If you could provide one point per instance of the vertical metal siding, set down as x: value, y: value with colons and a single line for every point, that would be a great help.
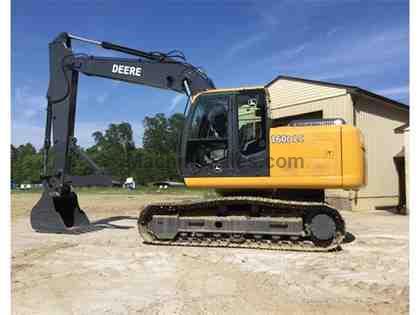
x: 289, y: 98
x: 407, y: 168
x: 374, y: 117
x: 377, y: 120
x: 333, y: 107
x: 285, y: 92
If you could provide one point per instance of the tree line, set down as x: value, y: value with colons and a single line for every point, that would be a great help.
x: 115, y: 151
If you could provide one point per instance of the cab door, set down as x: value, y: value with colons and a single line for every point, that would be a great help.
x: 207, y: 144
x: 250, y: 134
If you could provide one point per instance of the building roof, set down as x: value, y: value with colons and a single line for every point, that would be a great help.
x: 402, y: 128
x: 355, y: 90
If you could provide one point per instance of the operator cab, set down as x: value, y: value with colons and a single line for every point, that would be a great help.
x: 226, y: 135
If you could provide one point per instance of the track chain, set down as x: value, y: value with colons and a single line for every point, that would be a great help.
x: 300, y: 208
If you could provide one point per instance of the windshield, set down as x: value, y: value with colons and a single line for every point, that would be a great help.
x: 210, y: 117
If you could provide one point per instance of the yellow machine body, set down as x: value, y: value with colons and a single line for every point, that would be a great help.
x: 228, y: 142
x: 309, y: 157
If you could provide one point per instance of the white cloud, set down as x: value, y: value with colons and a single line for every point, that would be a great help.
x: 28, y: 112
x: 293, y: 51
x: 102, y: 98
x: 28, y: 103
x: 369, y: 47
x: 288, y: 53
x: 344, y: 72
x: 357, y: 54
x: 266, y: 19
x: 23, y: 133
x: 246, y: 43
x: 269, y: 19
x: 331, y: 32
x: 270, y: 14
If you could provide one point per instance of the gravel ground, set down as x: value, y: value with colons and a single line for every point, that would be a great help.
x: 110, y: 271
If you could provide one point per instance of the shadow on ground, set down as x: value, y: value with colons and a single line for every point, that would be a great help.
x: 94, y: 226
x: 349, y: 238
x: 393, y: 209
x: 105, y: 223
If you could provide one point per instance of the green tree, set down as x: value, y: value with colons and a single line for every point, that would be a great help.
x: 79, y: 166
x: 114, y: 150
x: 175, y: 129
x: 13, y: 160
x: 26, y: 164
x: 156, y: 131
x: 160, y: 144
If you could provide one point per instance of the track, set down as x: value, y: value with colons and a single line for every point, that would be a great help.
x: 243, y: 209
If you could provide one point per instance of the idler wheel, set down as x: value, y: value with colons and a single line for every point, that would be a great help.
x: 323, y: 229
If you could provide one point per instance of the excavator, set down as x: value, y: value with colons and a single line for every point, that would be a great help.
x: 230, y: 142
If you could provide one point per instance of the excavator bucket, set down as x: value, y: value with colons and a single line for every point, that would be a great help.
x: 58, y: 214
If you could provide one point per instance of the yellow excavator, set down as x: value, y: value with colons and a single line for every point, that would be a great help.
x: 271, y: 179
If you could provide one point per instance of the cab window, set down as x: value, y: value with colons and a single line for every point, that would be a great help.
x: 250, y: 123
x: 210, y: 118
x: 208, y: 133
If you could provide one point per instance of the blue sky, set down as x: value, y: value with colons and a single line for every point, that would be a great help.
x: 363, y: 43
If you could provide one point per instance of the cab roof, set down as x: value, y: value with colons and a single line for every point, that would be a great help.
x: 243, y: 88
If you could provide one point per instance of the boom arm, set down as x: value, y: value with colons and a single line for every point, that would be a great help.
x: 154, y: 69
x: 159, y: 70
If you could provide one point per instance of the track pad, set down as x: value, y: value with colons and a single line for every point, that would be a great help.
x: 58, y: 214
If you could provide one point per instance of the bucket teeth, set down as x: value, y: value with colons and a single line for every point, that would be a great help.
x: 58, y: 214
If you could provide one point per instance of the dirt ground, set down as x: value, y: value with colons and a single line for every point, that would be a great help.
x: 110, y: 271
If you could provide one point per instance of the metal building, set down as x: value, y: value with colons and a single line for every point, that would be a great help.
x: 404, y: 162
x: 377, y: 116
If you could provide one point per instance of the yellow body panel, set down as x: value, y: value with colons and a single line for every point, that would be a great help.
x: 304, y: 157
x: 311, y: 155
x: 353, y: 157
